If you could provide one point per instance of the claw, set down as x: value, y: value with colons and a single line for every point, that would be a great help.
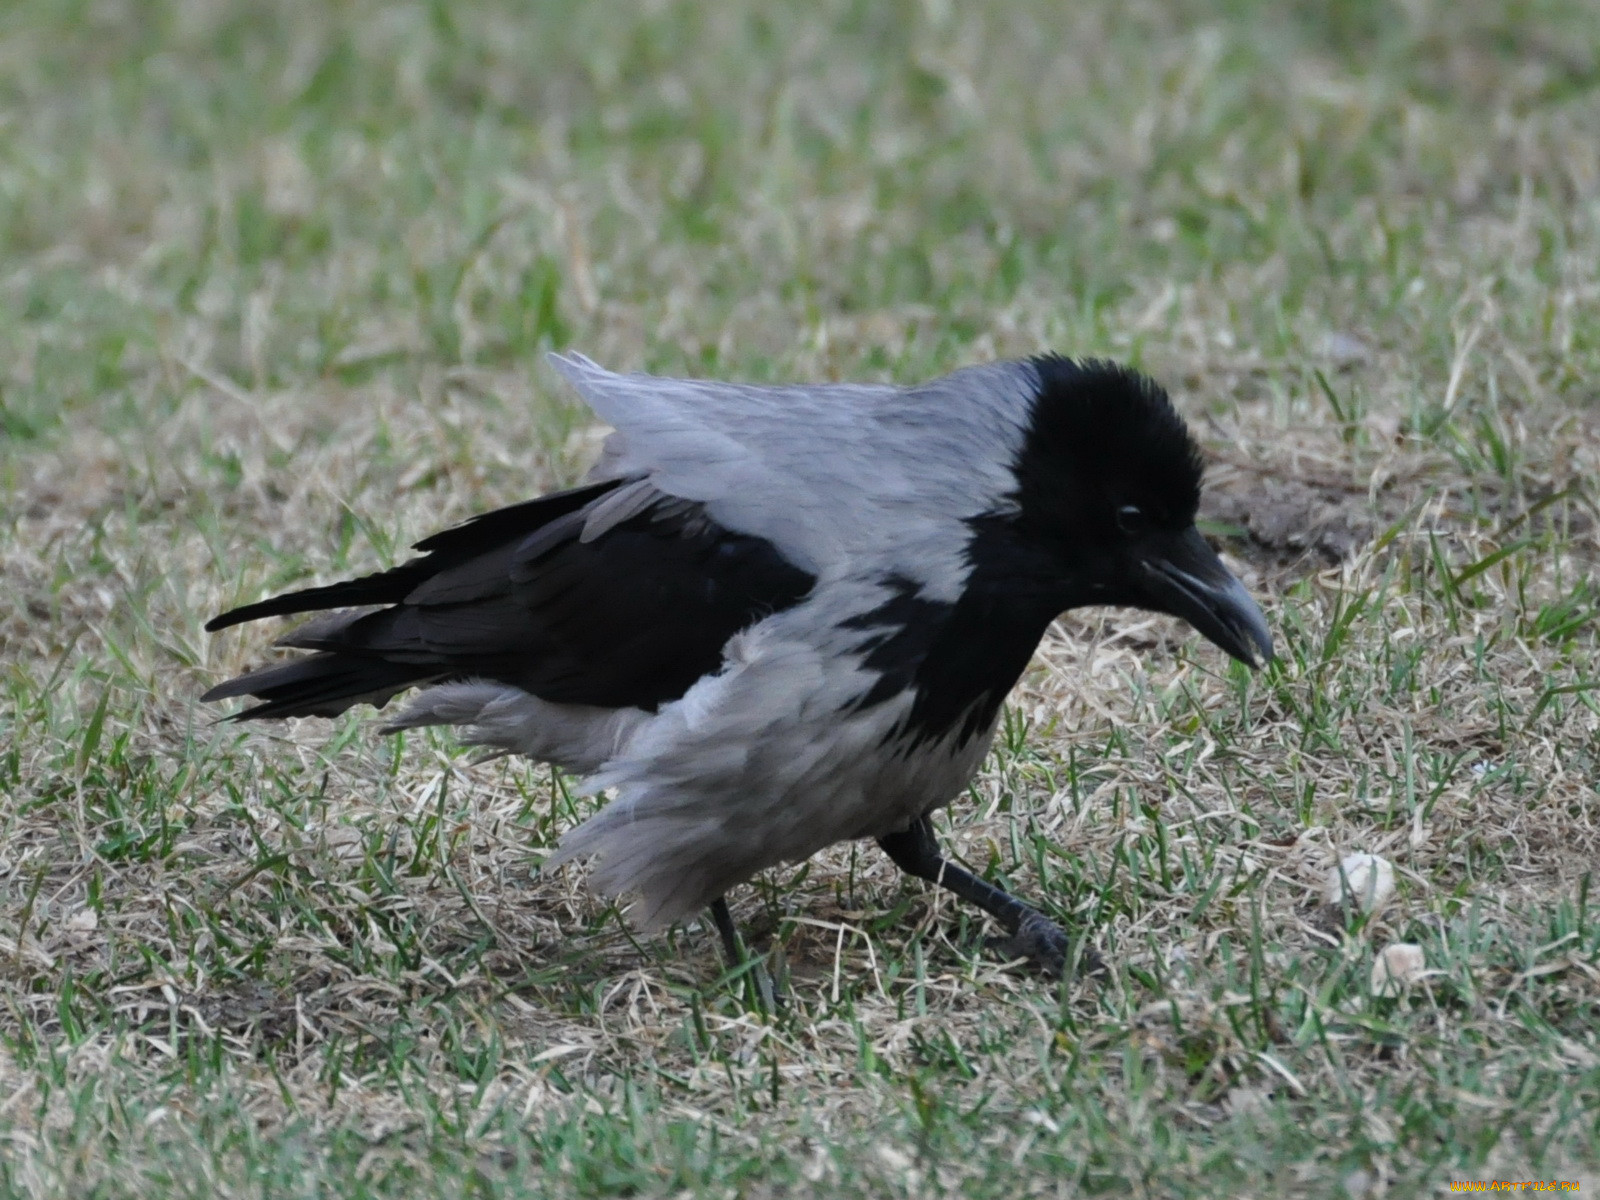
x: 1046, y: 945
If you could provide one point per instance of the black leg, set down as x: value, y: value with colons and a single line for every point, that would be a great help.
x: 1034, y: 936
x: 731, y: 946
x: 766, y: 995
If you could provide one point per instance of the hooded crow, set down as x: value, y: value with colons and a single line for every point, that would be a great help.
x: 777, y: 618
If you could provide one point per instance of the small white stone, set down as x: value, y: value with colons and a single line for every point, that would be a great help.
x: 1396, y: 968
x: 1358, y: 1184
x: 1363, y: 879
x: 83, y: 920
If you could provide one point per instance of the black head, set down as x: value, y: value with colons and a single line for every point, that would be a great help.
x: 1106, y: 454
x: 1108, y: 483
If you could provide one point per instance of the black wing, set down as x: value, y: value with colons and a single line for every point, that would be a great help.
x: 630, y: 619
x: 482, y: 534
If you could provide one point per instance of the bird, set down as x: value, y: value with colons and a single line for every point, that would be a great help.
x: 774, y: 618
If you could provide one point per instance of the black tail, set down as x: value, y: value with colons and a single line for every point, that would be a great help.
x: 629, y: 618
x: 326, y: 683
x: 322, y: 685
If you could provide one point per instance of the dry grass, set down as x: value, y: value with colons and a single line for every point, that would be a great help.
x: 274, y: 282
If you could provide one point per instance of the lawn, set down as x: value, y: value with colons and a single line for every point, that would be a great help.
x: 275, y: 283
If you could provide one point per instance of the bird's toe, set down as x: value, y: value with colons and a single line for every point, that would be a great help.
x: 1046, y: 946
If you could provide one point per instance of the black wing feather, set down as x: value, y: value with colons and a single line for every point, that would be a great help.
x: 630, y: 619
x: 446, y: 549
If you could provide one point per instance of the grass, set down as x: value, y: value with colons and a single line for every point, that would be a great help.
x: 274, y: 282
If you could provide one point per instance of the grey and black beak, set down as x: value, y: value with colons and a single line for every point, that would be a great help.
x: 1184, y: 577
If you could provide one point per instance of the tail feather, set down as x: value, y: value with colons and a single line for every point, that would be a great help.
x: 385, y: 587
x: 321, y: 685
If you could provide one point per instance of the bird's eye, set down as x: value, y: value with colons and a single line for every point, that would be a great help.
x: 1131, y: 520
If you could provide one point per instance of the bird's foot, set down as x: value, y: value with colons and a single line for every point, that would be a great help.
x: 1046, y: 946
x: 764, y: 994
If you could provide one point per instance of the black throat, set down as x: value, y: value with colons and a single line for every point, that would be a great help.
x: 961, y: 659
